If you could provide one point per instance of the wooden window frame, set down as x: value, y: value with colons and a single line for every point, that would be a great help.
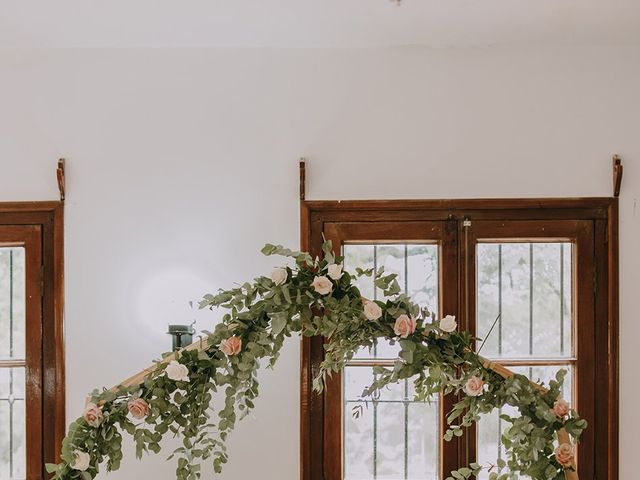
x: 603, y: 212
x: 48, y: 219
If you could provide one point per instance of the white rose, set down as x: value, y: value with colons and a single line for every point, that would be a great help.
x: 448, y: 324
x: 177, y: 372
x: 279, y: 275
x: 335, y: 271
x: 474, y: 387
x: 81, y: 460
x: 322, y: 285
x: 372, y: 310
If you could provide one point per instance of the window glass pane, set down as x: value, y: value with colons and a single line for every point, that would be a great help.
x: 12, y: 382
x: 529, y: 286
x: 423, y: 276
x: 490, y: 426
x: 358, y: 425
x: 393, y: 259
x: 417, y: 270
x: 5, y: 436
x: 12, y: 302
x: 12, y: 423
x: 361, y: 256
x: 393, y: 436
x: 424, y: 440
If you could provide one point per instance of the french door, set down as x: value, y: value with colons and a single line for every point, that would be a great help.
x: 537, y: 279
x: 32, y: 420
x: 393, y: 436
x: 526, y: 287
x: 20, y: 352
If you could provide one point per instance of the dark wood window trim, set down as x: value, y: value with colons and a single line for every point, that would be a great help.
x: 47, y: 218
x: 602, y: 213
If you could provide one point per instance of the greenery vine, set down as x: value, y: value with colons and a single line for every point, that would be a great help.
x: 315, y: 297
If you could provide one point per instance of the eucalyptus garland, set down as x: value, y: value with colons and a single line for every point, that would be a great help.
x: 316, y: 297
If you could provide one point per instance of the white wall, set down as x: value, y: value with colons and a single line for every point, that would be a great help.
x: 182, y: 163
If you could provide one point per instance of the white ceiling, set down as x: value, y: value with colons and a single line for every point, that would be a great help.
x: 315, y: 23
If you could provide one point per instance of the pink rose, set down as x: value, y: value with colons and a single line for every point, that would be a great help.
x: 561, y: 408
x: 231, y: 346
x: 564, y: 455
x: 404, y: 326
x: 474, y: 386
x: 322, y: 285
x: 93, y: 415
x: 138, y: 408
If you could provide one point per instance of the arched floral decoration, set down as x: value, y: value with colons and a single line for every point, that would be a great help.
x: 316, y: 297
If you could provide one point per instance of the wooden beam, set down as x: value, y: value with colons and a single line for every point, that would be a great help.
x: 203, y: 344
x: 138, y: 378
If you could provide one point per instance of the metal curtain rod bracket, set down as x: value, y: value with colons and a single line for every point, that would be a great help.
x: 61, y: 179
x: 617, y: 175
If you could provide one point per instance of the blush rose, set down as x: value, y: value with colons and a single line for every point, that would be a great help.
x: 564, y: 455
x: 474, y: 386
x: 231, y: 346
x: 404, y: 326
x: 138, y: 408
x: 93, y: 415
x: 561, y: 408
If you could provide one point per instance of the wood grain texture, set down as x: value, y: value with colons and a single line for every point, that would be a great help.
x: 611, y: 300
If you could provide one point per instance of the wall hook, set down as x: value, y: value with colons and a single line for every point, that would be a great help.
x: 617, y: 175
x: 61, y: 179
x: 303, y: 177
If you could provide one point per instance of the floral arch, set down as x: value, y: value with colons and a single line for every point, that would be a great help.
x: 316, y: 297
